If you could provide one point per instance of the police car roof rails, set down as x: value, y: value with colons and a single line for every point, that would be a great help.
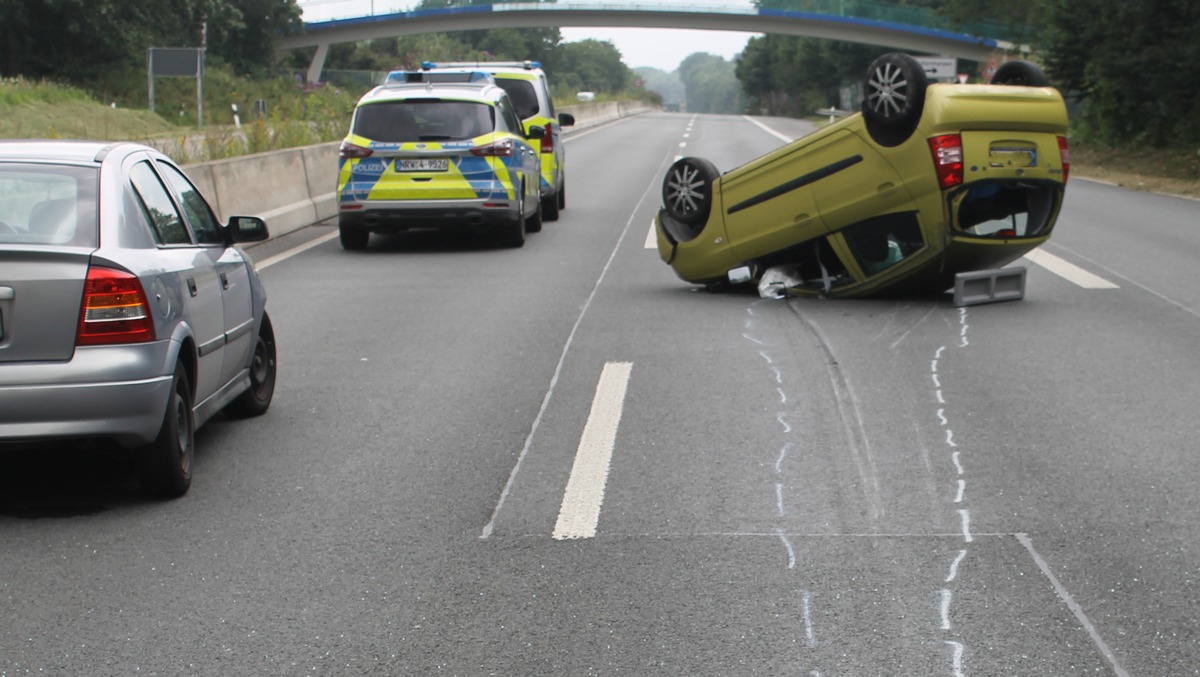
x: 527, y: 65
x: 415, y: 77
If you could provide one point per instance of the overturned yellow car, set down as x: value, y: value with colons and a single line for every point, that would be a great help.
x: 929, y: 180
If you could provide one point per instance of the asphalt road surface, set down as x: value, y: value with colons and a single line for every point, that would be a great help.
x: 562, y: 460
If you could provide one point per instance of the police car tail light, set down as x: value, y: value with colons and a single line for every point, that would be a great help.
x: 947, y: 159
x: 1065, y: 151
x: 349, y: 151
x: 115, y: 310
x: 501, y: 148
x: 548, y: 139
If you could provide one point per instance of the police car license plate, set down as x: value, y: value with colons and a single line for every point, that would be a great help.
x: 423, y: 164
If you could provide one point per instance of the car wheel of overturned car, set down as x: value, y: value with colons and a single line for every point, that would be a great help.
x: 562, y: 195
x: 1020, y: 73
x: 894, y: 98
x: 257, y: 399
x: 167, y: 461
x: 687, y: 190
x: 353, y: 237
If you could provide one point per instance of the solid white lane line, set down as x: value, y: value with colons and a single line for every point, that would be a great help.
x: 267, y: 263
x: 580, y: 512
x: 782, y: 137
x: 1069, y: 271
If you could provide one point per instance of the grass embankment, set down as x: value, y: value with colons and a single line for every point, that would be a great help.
x: 43, y: 110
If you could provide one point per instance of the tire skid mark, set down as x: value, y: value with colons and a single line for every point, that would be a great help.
x: 782, y: 416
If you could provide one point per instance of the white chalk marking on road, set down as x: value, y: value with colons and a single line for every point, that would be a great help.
x: 809, y: 633
x: 957, y: 464
x: 787, y: 544
x: 956, y: 661
x: 782, y: 396
x: 580, y: 511
x: 941, y: 414
x: 782, y: 455
x: 1068, y: 271
x: 947, y: 596
x: 786, y: 427
x: 966, y: 525
x: 954, y: 566
x: 268, y: 262
x: 779, y: 499
x: 962, y: 487
x: 1075, y: 608
x: 950, y: 438
x: 652, y: 236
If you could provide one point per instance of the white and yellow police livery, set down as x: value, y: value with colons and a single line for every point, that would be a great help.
x: 445, y: 155
x: 529, y: 90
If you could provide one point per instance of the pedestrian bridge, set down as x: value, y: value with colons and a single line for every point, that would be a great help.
x: 877, y: 23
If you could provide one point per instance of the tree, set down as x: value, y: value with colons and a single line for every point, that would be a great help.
x: 1134, y: 65
x: 710, y: 84
x: 81, y: 41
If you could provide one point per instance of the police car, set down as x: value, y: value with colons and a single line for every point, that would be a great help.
x: 443, y: 155
x: 529, y: 90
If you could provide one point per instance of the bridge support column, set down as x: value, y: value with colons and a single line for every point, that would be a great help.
x: 318, y: 63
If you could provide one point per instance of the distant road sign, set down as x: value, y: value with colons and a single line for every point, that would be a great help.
x: 941, y: 69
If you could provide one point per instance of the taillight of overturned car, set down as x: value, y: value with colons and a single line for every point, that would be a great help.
x: 947, y: 159
x: 1065, y: 151
x: 115, y: 309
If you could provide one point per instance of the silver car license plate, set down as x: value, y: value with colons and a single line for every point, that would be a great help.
x: 422, y: 164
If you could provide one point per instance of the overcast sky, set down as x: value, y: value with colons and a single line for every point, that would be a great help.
x: 656, y: 47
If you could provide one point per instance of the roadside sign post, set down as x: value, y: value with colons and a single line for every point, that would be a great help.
x: 178, y: 62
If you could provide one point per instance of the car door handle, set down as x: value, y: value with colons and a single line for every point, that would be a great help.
x: 224, y: 281
x: 192, y: 289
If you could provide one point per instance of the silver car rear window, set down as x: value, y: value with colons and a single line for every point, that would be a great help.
x: 48, y: 204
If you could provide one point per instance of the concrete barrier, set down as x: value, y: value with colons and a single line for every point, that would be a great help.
x: 297, y: 187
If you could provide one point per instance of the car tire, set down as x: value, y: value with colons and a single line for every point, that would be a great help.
x: 1020, y: 73
x: 263, y: 368
x: 562, y: 195
x: 533, y: 224
x: 512, y: 234
x: 894, y: 96
x: 166, y: 464
x: 550, y: 208
x: 354, y: 238
x: 687, y: 190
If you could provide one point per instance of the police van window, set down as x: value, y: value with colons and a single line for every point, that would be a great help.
x: 523, y: 94
x: 507, y: 120
x: 165, y: 221
x: 204, y: 224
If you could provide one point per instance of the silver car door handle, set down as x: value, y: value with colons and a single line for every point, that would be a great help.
x: 224, y: 281
x: 191, y: 283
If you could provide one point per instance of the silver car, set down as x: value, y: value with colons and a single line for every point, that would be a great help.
x: 126, y: 311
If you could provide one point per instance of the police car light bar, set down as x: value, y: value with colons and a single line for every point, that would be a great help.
x: 527, y: 65
x: 465, y: 77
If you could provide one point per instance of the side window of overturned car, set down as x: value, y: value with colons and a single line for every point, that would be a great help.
x: 883, y: 241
